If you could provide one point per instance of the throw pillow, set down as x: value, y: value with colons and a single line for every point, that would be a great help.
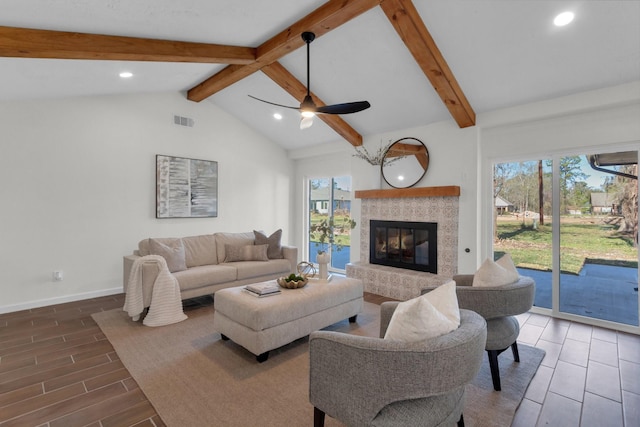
x: 507, y: 263
x: 492, y: 273
x: 235, y: 239
x: 245, y: 253
x: 172, y: 252
x: 274, y: 251
x: 428, y: 316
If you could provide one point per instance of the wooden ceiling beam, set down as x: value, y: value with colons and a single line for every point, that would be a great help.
x: 244, y: 61
x: 322, y: 20
x: 276, y: 72
x: 31, y: 43
x: 406, y: 20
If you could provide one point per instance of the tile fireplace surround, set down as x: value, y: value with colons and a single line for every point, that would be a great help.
x: 429, y: 204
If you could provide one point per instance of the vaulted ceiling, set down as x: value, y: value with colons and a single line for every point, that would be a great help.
x: 416, y: 62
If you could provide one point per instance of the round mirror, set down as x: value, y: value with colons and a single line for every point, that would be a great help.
x: 405, y: 163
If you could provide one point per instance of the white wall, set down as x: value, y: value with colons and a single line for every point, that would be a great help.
x: 78, y: 187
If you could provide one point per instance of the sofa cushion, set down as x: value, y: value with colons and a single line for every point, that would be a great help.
x: 204, y: 275
x: 274, y: 250
x: 200, y: 250
x: 428, y: 316
x: 245, y: 253
x: 237, y: 239
x: 250, y: 269
x: 172, y: 251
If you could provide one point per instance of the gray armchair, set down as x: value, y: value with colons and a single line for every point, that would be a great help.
x: 364, y: 381
x: 498, y: 305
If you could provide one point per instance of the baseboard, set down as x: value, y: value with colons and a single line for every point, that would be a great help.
x: 59, y: 300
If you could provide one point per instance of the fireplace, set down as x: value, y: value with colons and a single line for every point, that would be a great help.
x: 404, y: 244
x: 438, y: 205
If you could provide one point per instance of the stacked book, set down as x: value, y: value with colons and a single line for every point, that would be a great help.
x: 263, y: 289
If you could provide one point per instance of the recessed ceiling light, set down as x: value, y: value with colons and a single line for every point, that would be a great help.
x: 126, y: 74
x: 563, y: 19
x: 277, y: 116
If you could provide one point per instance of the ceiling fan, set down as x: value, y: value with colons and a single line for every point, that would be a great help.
x: 308, y: 108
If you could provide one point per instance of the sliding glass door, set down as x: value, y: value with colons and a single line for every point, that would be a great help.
x: 598, y: 238
x: 329, y: 220
x: 523, y: 221
x: 570, y: 222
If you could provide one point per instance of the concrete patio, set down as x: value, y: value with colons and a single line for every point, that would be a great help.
x: 599, y: 291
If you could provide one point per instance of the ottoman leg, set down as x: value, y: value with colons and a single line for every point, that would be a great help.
x: 262, y: 357
x: 352, y: 319
x: 318, y: 417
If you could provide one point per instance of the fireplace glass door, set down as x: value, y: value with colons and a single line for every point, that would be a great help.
x: 410, y: 245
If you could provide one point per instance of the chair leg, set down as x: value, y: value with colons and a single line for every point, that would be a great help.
x: 514, y: 350
x: 495, y: 372
x: 318, y: 417
x: 461, y: 421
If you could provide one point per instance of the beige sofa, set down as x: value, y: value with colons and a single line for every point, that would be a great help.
x: 213, y: 261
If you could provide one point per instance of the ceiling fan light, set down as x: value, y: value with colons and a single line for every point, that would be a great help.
x: 563, y: 19
x: 307, y: 114
x: 306, y: 122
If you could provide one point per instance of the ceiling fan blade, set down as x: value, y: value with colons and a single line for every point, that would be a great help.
x: 346, y: 108
x: 273, y: 103
x: 306, y: 122
x: 307, y: 106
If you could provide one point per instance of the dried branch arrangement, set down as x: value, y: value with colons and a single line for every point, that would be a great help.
x: 373, y: 159
x: 377, y: 158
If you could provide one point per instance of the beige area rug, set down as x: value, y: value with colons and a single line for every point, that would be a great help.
x: 193, y: 378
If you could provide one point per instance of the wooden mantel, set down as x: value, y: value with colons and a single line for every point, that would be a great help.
x: 449, y: 190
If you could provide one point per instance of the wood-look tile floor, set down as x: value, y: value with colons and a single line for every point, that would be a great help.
x: 590, y: 376
x: 58, y: 369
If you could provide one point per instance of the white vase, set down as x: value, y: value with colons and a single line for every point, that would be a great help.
x: 323, y: 261
x: 366, y: 176
x: 375, y: 178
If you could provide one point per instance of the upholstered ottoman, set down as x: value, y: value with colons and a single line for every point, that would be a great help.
x: 263, y: 324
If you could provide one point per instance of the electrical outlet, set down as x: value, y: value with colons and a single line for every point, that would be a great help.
x: 57, y: 276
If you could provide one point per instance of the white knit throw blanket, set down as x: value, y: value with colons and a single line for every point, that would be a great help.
x: 165, y: 307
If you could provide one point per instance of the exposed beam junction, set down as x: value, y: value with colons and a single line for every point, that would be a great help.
x: 322, y: 20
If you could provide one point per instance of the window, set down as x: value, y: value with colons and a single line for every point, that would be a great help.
x: 329, y: 220
x: 570, y: 222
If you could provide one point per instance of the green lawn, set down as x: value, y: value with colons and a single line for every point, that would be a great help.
x: 581, y: 239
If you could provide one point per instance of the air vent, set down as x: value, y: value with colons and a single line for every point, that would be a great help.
x: 183, y: 121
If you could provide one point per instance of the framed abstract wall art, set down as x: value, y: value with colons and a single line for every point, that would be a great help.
x: 186, y: 188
